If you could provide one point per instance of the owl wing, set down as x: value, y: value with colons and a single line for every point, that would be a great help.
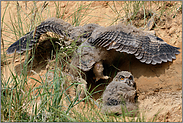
x: 55, y: 25
x: 146, y: 47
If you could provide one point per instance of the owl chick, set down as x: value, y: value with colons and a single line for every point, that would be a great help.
x: 120, y: 95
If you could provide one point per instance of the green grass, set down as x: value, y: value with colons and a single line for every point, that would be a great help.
x: 18, y: 99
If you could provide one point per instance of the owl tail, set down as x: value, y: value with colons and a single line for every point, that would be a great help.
x: 27, y: 42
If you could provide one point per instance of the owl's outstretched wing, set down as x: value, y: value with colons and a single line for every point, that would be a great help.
x: 55, y: 25
x: 145, y: 46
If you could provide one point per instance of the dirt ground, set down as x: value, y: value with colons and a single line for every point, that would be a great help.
x: 159, y: 87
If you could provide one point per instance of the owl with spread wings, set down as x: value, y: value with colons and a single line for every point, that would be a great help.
x: 99, y: 44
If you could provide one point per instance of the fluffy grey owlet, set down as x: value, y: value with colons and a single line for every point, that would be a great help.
x: 120, y: 95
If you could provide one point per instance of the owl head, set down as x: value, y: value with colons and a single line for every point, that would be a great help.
x: 125, y: 77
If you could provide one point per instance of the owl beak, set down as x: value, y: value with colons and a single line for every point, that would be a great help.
x: 129, y: 82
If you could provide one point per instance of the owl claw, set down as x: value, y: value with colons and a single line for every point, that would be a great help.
x: 105, y: 77
x: 98, y: 78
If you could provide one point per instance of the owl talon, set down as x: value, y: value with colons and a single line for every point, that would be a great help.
x: 98, y: 78
x: 105, y: 77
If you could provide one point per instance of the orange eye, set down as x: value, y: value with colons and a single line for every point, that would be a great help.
x: 121, y: 77
x: 131, y: 78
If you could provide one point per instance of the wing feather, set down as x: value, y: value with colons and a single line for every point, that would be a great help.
x: 118, y: 40
x: 149, y: 59
x: 105, y: 42
x: 156, y: 59
x: 139, y: 50
x: 132, y: 50
x: 102, y: 40
x: 169, y: 57
x: 120, y: 48
x: 26, y: 42
x: 147, y: 48
x: 113, y: 38
x: 125, y: 49
x: 140, y: 56
x: 153, y: 62
x: 144, y: 58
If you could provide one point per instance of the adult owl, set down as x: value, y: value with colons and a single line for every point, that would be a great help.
x: 99, y: 44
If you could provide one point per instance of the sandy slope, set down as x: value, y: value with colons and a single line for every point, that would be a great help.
x: 159, y: 87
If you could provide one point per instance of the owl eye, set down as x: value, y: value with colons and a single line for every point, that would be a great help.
x: 121, y: 77
x: 131, y: 77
